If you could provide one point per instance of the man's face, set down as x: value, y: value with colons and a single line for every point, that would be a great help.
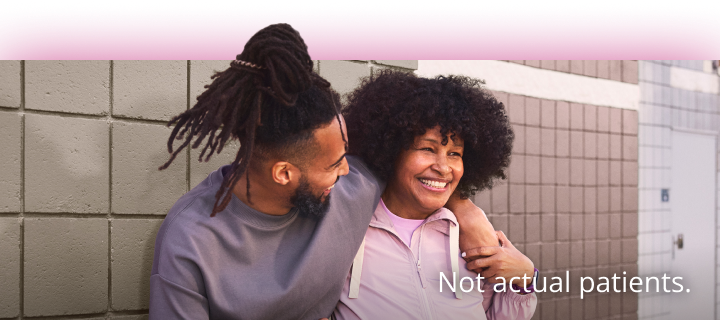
x: 312, y: 195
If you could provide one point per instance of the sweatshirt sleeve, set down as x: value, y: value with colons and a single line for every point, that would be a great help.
x: 172, y: 301
x: 507, y: 305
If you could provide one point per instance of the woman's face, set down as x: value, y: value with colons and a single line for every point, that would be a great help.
x: 426, y: 174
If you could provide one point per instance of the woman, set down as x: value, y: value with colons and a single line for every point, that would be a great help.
x: 430, y: 139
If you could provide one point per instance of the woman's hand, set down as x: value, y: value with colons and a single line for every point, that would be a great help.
x: 503, y: 262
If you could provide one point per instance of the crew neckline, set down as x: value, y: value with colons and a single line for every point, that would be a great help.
x: 256, y: 218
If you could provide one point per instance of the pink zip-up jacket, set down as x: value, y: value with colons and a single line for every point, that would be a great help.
x: 388, y: 280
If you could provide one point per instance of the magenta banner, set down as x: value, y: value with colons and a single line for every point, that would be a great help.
x: 364, y: 33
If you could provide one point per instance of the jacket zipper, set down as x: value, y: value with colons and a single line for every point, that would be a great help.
x: 425, y: 301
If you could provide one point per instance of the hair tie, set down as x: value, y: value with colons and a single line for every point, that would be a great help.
x: 249, y: 64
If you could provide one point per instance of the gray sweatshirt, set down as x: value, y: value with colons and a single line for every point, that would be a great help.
x: 243, y: 264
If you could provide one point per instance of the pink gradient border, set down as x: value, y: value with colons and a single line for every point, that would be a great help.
x: 360, y: 31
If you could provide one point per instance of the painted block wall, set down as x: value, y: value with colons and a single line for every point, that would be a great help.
x: 81, y: 198
x: 681, y: 94
x: 570, y: 200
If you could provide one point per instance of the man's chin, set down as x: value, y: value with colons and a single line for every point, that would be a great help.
x: 308, y: 204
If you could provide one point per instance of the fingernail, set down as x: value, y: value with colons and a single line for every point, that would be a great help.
x: 463, y: 255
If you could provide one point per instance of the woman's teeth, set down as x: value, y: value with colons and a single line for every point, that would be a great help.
x: 434, y: 184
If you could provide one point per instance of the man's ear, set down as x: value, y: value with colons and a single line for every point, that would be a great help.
x: 284, y: 172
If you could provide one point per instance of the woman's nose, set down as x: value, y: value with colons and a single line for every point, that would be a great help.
x: 441, y: 166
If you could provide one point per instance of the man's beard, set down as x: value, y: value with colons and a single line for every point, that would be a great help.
x: 309, y: 204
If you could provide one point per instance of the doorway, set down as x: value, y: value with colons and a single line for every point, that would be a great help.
x: 693, y: 224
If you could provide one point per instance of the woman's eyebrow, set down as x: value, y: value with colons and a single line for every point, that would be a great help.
x: 438, y: 142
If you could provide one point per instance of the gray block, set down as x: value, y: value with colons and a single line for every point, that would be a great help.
x: 131, y: 317
x: 68, y: 86
x: 344, y: 76
x: 646, y: 70
x: 133, y: 242
x: 10, y: 266
x: 66, y: 266
x: 657, y: 73
x: 137, y: 185
x: 66, y: 164
x: 10, y: 158
x: 675, y: 98
x: 200, y: 170
x: 10, y: 84
x: 656, y: 94
x: 200, y: 73
x: 149, y: 89
x: 407, y: 64
x: 666, y: 96
x: 665, y: 75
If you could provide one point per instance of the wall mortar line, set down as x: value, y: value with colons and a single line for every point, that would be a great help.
x: 21, y: 306
x: 110, y: 180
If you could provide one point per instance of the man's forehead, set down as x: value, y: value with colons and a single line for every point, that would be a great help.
x: 331, y: 146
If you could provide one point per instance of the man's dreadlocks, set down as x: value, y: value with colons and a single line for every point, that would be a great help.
x: 269, y: 99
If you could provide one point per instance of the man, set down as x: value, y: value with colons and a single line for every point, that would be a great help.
x: 273, y: 235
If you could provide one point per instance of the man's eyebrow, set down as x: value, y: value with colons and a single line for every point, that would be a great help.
x: 336, y: 162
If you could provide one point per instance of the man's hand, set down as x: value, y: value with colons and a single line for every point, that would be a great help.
x: 475, y: 228
x: 504, y: 262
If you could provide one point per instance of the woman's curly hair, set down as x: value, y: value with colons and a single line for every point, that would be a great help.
x: 387, y: 111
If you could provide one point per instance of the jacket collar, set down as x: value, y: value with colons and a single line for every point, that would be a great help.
x: 380, y: 219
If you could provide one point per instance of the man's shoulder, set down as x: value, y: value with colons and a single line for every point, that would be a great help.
x: 184, y: 221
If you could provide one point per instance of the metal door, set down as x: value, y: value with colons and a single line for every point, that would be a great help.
x: 693, y: 226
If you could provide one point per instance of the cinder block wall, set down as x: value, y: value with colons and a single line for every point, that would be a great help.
x: 81, y: 198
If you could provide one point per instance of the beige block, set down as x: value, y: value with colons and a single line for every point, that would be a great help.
x: 137, y: 185
x: 66, y: 164
x: 10, y: 266
x: 10, y: 159
x: 66, y: 266
x: 407, y: 64
x: 200, y: 170
x: 149, y: 89
x: 10, y: 84
x: 68, y: 86
x: 200, y: 73
x: 133, y: 242
x: 344, y: 76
